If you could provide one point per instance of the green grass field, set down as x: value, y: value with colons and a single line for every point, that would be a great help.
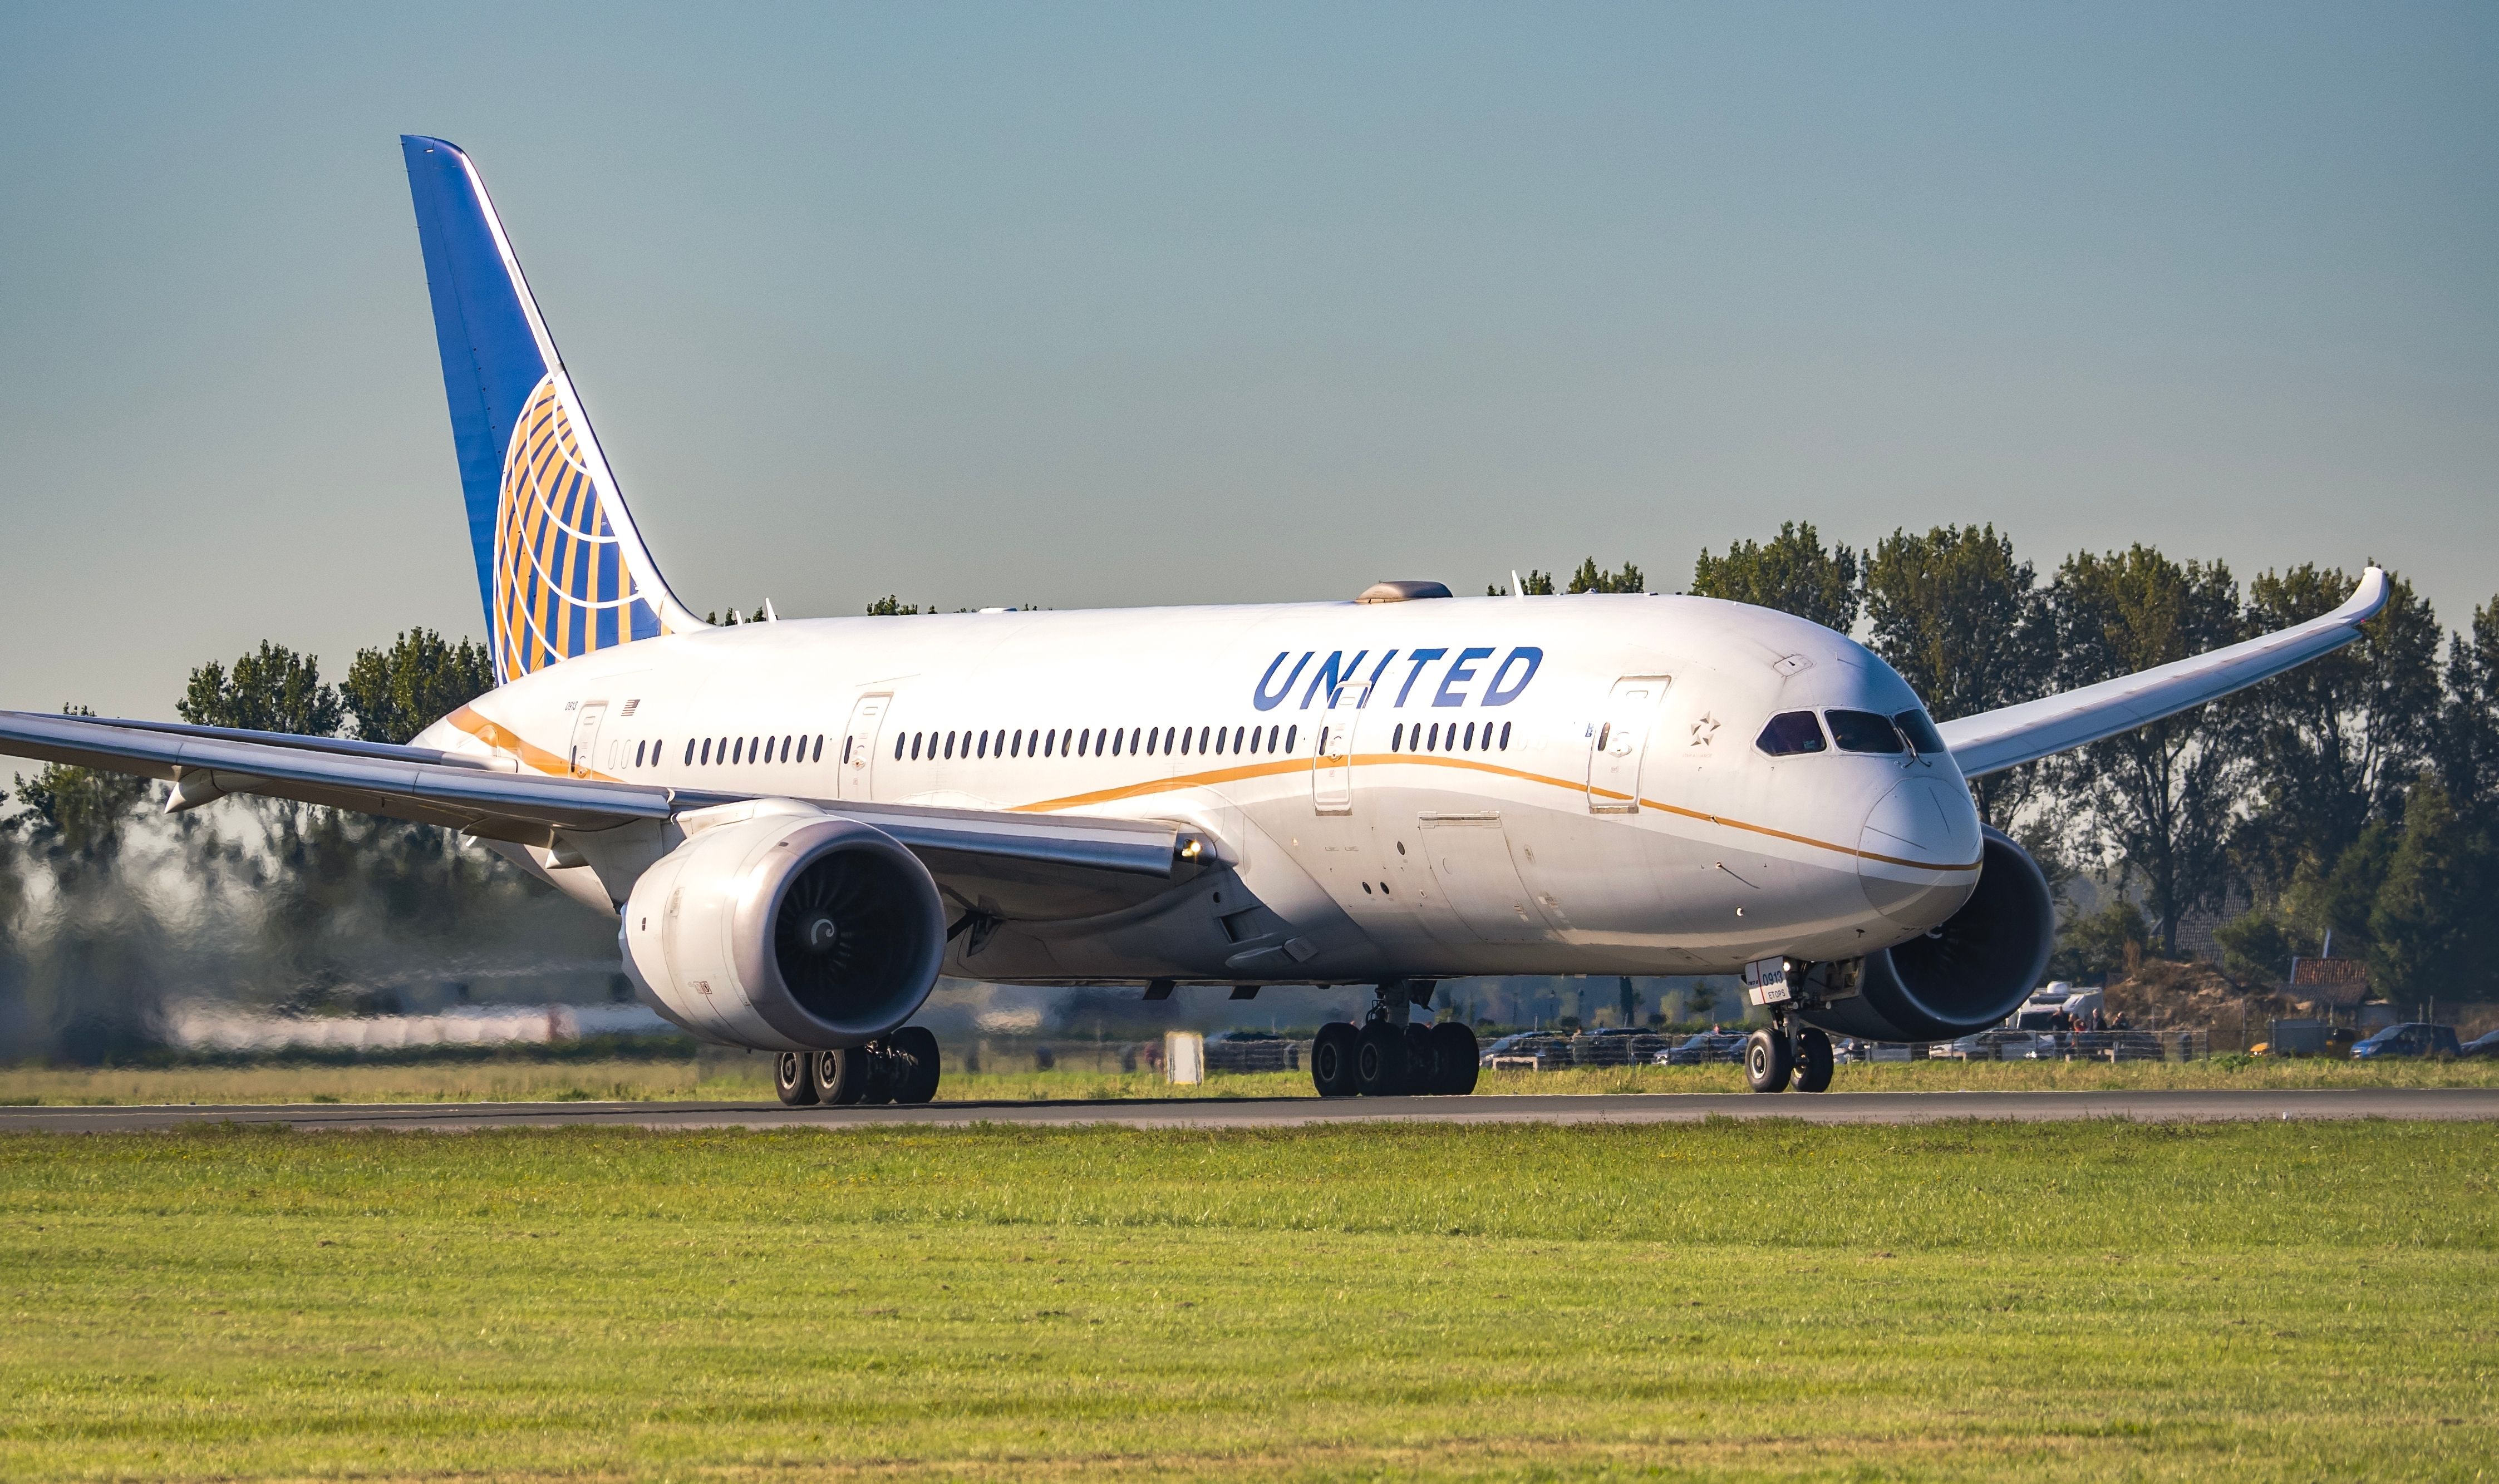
x: 735, y: 1078
x: 1757, y: 1300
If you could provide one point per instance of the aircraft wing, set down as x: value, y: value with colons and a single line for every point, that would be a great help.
x: 1028, y: 865
x: 1995, y: 740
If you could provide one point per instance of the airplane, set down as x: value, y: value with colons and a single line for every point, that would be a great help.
x: 797, y: 826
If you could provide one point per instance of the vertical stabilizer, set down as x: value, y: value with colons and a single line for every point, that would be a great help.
x: 561, y: 567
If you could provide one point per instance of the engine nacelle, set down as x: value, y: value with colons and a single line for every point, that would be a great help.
x: 1965, y: 974
x: 789, y: 932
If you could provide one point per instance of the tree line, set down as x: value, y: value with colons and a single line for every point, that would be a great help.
x: 2356, y: 796
x: 110, y: 909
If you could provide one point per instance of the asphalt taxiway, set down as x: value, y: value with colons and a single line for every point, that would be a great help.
x: 2198, y: 1106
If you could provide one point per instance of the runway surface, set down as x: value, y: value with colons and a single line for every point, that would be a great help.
x: 2441, y: 1103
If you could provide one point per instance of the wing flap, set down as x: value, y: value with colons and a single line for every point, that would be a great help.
x: 1995, y: 740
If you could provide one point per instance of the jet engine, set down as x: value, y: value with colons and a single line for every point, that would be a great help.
x: 789, y: 932
x: 1965, y: 974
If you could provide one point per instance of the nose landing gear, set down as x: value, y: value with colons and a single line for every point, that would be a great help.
x: 1788, y: 1050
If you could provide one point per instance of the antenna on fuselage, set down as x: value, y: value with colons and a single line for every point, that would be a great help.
x: 1516, y: 588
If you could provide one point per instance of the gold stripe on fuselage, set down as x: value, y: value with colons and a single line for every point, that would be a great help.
x: 506, y: 741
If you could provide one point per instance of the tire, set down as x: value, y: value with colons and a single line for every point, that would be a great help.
x: 1422, y: 1075
x: 792, y: 1080
x: 917, y: 1045
x: 841, y: 1075
x: 1767, y: 1062
x: 885, y: 1072
x: 1381, y: 1067
x: 1332, y: 1059
x: 1456, y: 1063
x: 1812, y: 1060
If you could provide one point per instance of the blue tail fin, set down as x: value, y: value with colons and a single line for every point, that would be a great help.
x: 561, y: 567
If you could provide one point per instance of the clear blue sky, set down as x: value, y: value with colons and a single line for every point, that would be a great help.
x: 1091, y: 306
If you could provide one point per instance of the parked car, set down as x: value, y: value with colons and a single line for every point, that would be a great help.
x: 1998, y: 1044
x: 1539, y: 1049
x: 1703, y: 1049
x: 1848, y: 1050
x: 2484, y: 1044
x: 2413, y: 1038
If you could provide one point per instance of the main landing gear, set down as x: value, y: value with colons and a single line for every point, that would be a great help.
x: 902, y: 1067
x: 1789, y: 1048
x: 1389, y: 1054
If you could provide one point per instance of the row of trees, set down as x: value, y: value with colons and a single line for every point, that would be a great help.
x: 107, y: 905
x: 2357, y: 795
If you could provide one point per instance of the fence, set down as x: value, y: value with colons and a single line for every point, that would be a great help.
x: 1265, y: 1054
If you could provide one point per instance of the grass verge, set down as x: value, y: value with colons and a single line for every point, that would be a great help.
x: 1960, y: 1301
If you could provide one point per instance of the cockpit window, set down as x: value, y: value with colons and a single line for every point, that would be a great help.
x: 1790, y: 733
x: 1921, y: 732
x: 1863, y: 732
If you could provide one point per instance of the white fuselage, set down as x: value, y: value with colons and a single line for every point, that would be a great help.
x: 1429, y: 789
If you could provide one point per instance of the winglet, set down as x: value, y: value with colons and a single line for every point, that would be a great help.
x: 1995, y: 740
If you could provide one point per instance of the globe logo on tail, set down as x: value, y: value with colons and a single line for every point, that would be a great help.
x: 563, y: 586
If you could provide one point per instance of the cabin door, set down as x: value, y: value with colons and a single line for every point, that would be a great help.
x: 1617, y: 742
x: 585, y: 737
x: 1332, y: 765
x: 855, y: 776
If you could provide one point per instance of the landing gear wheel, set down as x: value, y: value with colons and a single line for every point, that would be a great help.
x: 1380, y: 1063
x: 1812, y: 1060
x: 1456, y: 1058
x: 916, y: 1047
x: 792, y: 1080
x: 1422, y: 1076
x: 841, y: 1075
x: 884, y: 1074
x: 1332, y: 1059
x: 1766, y: 1061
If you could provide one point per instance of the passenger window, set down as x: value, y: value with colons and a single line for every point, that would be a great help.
x: 1470, y: 744
x: 820, y: 747
x: 689, y: 753
x: 983, y: 746
x: 915, y: 747
x: 1791, y: 732
x: 1920, y: 729
x: 1505, y: 736
x: 1397, y: 738
x: 1863, y: 732
x: 1292, y: 735
x: 637, y: 755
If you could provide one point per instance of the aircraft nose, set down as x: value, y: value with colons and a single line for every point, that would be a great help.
x: 1917, y: 856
